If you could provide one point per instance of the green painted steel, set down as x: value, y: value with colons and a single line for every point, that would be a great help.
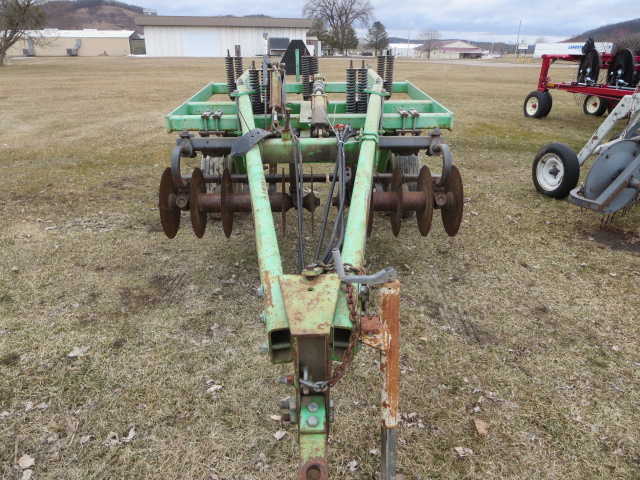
x: 432, y: 113
x: 269, y: 259
x: 356, y: 231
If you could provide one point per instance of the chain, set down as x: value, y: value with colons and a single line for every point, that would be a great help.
x: 349, y: 353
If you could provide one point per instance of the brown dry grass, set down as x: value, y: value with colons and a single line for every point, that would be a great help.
x: 528, y: 319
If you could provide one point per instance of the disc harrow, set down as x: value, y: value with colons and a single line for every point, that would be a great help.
x: 317, y: 315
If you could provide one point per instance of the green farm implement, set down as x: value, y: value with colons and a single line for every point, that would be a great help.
x: 369, y: 130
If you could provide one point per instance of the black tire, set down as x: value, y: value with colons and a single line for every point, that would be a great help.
x: 549, y: 103
x: 536, y: 105
x: 409, y: 165
x: 595, y: 106
x: 589, y: 68
x: 555, y: 170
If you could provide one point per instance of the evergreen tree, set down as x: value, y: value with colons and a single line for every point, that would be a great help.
x: 377, y: 37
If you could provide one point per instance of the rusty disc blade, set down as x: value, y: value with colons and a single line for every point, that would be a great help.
x: 424, y: 215
x: 198, y: 217
x: 396, y: 215
x: 452, y: 210
x: 169, y: 211
x: 226, y: 189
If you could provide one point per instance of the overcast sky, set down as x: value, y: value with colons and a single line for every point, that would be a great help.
x: 480, y: 20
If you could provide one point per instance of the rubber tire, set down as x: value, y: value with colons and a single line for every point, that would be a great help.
x: 570, y: 173
x: 409, y: 165
x: 549, y: 103
x: 536, y: 105
x: 598, y: 106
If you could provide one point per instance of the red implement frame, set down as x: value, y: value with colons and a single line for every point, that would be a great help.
x: 603, y: 91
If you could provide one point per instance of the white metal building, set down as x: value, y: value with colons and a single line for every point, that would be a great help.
x: 212, y: 36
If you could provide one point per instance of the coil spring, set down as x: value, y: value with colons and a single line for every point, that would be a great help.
x: 254, y: 82
x: 388, y: 74
x: 362, y: 85
x: 231, y: 78
x: 239, y: 68
x: 313, y: 66
x: 306, y: 86
x: 266, y: 93
x: 351, y: 91
x: 381, y: 63
x: 318, y: 85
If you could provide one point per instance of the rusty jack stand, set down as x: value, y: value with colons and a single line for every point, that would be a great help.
x: 383, y: 333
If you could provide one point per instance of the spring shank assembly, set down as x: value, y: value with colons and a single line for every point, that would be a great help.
x: 316, y: 316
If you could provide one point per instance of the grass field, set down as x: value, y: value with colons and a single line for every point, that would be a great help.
x: 527, y: 319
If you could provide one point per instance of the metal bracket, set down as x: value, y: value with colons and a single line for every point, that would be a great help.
x: 248, y: 141
x: 378, y: 278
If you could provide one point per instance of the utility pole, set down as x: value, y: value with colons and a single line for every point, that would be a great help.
x: 518, y: 40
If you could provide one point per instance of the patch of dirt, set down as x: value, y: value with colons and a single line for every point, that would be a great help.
x: 615, y: 239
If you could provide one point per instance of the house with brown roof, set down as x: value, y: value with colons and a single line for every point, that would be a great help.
x: 449, y: 50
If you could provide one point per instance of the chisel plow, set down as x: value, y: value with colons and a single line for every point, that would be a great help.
x: 243, y: 132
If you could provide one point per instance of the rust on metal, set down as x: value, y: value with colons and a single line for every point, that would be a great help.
x: 310, y: 302
x: 396, y: 215
x: 167, y: 203
x: 198, y: 215
x: 314, y: 469
x: 424, y: 212
x: 390, y: 357
x: 373, y: 334
x: 452, y: 210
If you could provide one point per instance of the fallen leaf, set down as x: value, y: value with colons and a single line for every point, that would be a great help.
x: 26, y: 461
x: 130, y: 436
x: 5, y: 414
x: 276, y: 418
x: 86, y: 439
x: 374, y: 451
x: 353, y: 466
x: 111, y: 440
x: 26, y: 475
x: 279, y: 434
x: 28, y: 406
x: 214, y: 389
x: 482, y: 427
x: 78, y: 352
x: 463, y: 452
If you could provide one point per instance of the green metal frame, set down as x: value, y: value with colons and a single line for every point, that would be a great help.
x: 310, y: 309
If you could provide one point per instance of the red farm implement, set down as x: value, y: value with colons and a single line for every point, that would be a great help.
x: 620, y: 75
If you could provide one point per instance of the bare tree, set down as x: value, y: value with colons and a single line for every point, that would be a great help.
x: 338, y: 16
x: 18, y: 18
x: 429, y: 38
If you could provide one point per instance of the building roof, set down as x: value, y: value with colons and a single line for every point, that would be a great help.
x: 87, y: 33
x: 183, y: 21
x: 449, y: 46
x: 460, y: 50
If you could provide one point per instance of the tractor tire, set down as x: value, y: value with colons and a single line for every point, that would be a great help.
x: 409, y: 165
x: 595, y: 106
x: 555, y: 170
x: 537, y: 104
x: 549, y: 103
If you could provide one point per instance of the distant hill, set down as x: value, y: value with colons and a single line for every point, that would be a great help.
x: 100, y: 14
x: 615, y: 32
